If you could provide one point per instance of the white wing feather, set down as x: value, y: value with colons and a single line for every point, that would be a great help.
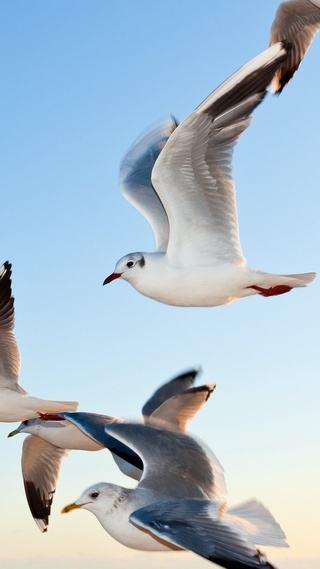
x: 135, y: 179
x: 193, y: 174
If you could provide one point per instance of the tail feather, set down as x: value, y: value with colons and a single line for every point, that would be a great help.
x: 253, y: 519
x: 304, y: 278
x: 268, y: 284
x: 295, y: 280
x: 47, y: 406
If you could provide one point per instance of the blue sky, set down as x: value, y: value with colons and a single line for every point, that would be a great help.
x: 80, y: 81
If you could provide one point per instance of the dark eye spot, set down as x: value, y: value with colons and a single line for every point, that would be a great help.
x: 26, y: 422
x: 130, y: 264
x: 94, y: 495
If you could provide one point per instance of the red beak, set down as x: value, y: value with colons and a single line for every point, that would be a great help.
x: 111, y: 278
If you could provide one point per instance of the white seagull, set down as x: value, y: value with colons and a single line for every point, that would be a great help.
x: 179, y: 503
x: 188, y: 197
x: 15, y: 403
x: 49, y: 440
x: 297, y: 21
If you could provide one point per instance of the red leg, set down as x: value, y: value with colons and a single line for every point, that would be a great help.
x: 272, y: 291
x: 51, y: 417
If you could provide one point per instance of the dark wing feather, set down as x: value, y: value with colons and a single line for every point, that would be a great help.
x: 298, y: 22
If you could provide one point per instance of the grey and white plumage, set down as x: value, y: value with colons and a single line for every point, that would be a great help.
x: 50, y: 440
x: 180, y: 502
x: 198, y: 259
x: 296, y: 21
x: 15, y: 403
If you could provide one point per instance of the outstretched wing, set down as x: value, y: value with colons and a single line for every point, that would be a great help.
x: 41, y: 462
x: 193, y: 174
x: 174, y: 463
x: 177, y: 411
x: 195, y: 525
x: 9, y: 352
x: 93, y: 425
x: 135, y: 179
x: 169, y: 389
x: 298, y: 22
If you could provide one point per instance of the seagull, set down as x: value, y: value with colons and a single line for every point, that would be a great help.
x: 15, y: 403
x: 180, y: 503
x: 297, y: 21
x: 182, y: 183
x: 49, y: 441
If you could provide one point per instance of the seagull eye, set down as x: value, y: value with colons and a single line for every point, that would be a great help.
x: 130, y: 264
x: 94, y: 495
x: 26, y: 422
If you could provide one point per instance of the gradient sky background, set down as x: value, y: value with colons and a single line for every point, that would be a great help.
x: 80, y: 81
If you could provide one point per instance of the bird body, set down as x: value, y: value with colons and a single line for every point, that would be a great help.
x: 212, y: 285
x: 60, y: 432
x: 180, y: 178
x: 181, y: 500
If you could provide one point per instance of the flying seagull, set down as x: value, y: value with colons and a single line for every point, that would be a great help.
x: 297, y: 21
x: 182, y: 183
x: 180, y: 503
x: 15, y: 403
x: 49, y: 441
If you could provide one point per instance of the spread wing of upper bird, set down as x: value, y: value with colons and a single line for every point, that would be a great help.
x: 187, y: 193
x: 296, y: 21
x: 135, y: 179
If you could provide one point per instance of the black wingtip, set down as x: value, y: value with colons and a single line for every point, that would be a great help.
x: 208, y: 389
x: 40, y: 507
x: 283, y: 78
x: 193, y: 372
x: 7, y: 273
x: 6, y: 298
x: 175, y: 123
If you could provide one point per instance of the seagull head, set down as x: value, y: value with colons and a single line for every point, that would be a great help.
x: 128, y: 268
x: 30, y: 426
x: 98, y: 499
x: 38, y: 425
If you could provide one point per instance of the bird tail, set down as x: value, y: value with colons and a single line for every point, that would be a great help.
x: 46, y: 406
x: 257, y: 523
x: 301, y: 279
x: 268, y: 284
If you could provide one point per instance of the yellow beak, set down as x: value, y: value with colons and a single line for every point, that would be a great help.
x: 15, y: 432
x: 70, y: 507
